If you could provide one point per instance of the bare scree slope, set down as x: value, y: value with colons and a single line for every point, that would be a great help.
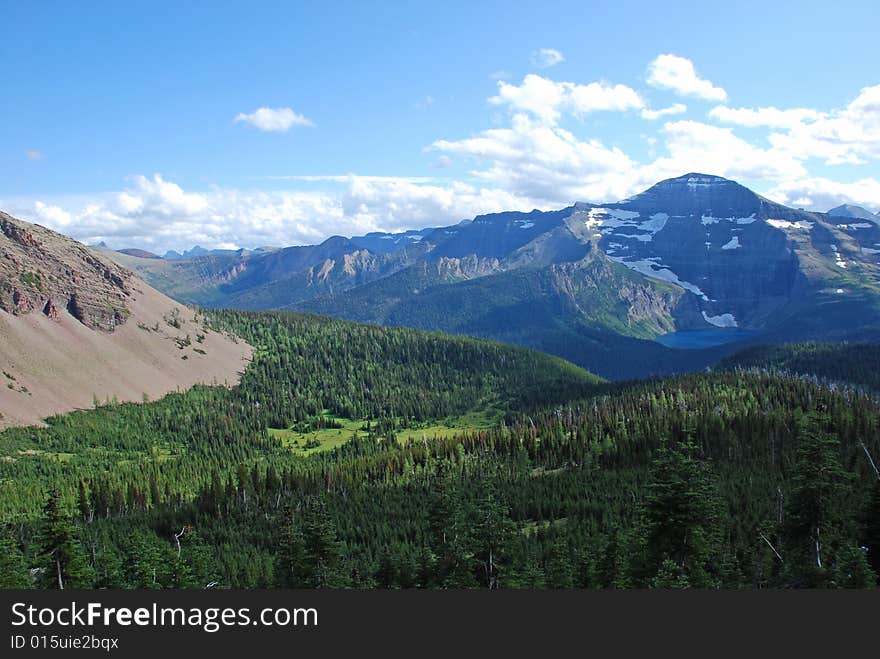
x: 76, y: 327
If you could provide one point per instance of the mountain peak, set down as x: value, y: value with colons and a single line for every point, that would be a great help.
x: 697, y: 177
x: 693, y: 190
x: 853, y: 211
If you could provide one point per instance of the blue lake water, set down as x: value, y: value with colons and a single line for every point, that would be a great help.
x: 695, y: 339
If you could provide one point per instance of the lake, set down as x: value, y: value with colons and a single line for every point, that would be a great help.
x: 696, y: 339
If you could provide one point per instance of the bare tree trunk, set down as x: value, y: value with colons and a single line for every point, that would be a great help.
x: 818, y: 549
x: 769, y: 544
x: 871, y: 460
x: 177, y: 537
x: 58, y: 570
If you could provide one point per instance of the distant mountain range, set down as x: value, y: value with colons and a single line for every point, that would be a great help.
x: 604, y: 285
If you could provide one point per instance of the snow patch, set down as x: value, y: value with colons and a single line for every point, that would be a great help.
x: 733, y: 243
x: 785, y: 224
x: 415, y: 238
x: 711, y: 219
x: 647, y: 268
x: 723, y: 320
x: 838, y: 259
x: 868, y: 250
x: 607, y: 220
x: 526, y: 225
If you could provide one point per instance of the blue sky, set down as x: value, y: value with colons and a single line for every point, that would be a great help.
x: 136, y: 124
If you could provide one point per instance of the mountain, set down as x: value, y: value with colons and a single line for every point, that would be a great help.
x: 201, y: 251
x: 77, y: 327
x: 855, y: 212
x: 140, y: 253
x: 603, y: 285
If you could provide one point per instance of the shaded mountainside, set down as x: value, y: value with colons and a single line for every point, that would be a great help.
x: 857, y: 364
x: 693, y: 253
x: 76, y: 327
x: 856, y: 212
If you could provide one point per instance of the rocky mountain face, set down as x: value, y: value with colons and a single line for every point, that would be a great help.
x: 695, y: 253
x: 76, y: 327
x: 41, y: 271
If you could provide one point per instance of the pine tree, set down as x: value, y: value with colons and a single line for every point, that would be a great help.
x: 681, y: 522
x: 815, y: 521
x: 559, y: 570
x: 492, y: 535
x: 63, y: 560
x: 13, y: 568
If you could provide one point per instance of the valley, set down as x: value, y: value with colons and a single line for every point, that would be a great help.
x: 340, y: 454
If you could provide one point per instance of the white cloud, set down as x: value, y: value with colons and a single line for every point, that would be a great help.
x: 277, y: 120
x: 768, y: 116
x: 695, y: 146
x: 679, y: 75
x: 543, y: 162
x: 544, y: 58
x: 849, y: 135
x: 158, y: 215
x: 33, y: 154
x: 51, y: 216
x: 532, y: 161
x: 548, y: 100
x: 676, y: 108
x: 817, y: 193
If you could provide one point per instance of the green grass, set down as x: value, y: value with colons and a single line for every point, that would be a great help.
x: 328, y: 439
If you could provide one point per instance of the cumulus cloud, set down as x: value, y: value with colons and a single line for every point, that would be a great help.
x: 548, y: 100
x: 544, y: 58
x: 849, y: 135
x: 544, y: 162
x: 676, y: 108
x: 679, y: 75
x: 156, y: 214
x: 532, y: 159
x: 818, y: 193
x: 696, y: 146
x: 275, y: 120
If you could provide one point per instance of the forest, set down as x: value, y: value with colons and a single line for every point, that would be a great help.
x: 748, y: 476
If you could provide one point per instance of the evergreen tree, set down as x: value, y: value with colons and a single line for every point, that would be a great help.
x: 816, y: 522
x: 63, y: 560
x: 681, y: 522
x: 13, y: 568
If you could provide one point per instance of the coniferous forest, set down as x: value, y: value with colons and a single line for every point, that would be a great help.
x: 760, y: 474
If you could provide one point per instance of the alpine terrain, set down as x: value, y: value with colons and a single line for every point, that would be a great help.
x: 694, y: 261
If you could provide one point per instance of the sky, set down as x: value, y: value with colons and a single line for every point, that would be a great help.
x: 165, y: 125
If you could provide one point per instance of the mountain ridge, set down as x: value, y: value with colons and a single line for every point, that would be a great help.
x: 732, y: 259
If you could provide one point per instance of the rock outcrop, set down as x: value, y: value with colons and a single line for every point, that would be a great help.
x: 43, y: 270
